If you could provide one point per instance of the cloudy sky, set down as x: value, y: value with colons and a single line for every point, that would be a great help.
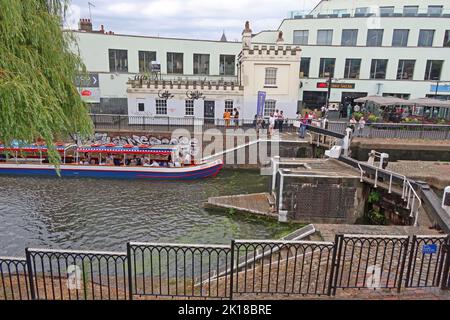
x: 198, y: 19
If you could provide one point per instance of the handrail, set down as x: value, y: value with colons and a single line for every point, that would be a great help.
x: 409, y: 194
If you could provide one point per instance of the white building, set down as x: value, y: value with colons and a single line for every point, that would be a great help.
x: 369, y: 47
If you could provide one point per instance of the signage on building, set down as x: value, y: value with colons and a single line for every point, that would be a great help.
x: 87, y: 81
x: 89, y: 87
x: 324, y: 85
x: 429, y: 248
x: 155, y: 67
x: 440, y: 88
x: 90, y: 95
x: 261, y: 102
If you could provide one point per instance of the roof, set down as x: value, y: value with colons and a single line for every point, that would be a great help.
x: 430, y: 102
x: 385, y: 101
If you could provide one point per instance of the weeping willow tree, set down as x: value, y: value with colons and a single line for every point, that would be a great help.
x: 38, y: 65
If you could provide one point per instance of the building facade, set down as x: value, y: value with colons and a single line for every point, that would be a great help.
x: 399, y: 48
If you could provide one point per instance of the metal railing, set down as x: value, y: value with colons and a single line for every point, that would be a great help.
x: 162, y: 123
x: 245, y: 267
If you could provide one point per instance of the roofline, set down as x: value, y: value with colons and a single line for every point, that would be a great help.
x: 150, y: 37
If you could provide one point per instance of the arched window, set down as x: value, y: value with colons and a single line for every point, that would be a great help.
x: 271, y: 76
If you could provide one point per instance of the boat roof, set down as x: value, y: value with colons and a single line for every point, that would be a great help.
x: 160, y: 149
x: 35, y: 148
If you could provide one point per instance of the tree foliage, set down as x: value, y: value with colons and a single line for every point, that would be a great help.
x: 38, y: 65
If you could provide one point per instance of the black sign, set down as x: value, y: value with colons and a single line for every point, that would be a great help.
x: 87, y: 81
x: 324, y: 85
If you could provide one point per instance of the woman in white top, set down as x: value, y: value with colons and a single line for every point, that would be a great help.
x: 361, y: 125
x: 271, y: 123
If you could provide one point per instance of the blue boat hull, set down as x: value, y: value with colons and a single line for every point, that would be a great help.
x: 172, y: 174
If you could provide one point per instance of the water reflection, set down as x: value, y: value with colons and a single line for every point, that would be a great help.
x: 104, y: 214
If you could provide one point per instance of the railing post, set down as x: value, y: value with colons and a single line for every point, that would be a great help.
x: 232, y: 269
x: 410, y: 262
x: 338, y: 243
x: 334, y: 266
x: 402, y: 267
x: 30, y: 274
x: 130, y: 273
x: 445, y: 283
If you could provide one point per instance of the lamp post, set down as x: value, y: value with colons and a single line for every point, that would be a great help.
x: 329, y: 82
x: 437, y: 89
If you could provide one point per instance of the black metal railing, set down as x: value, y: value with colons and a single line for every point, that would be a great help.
x: 245, y: 267
x: 77, y: 275
x: 161, y: 123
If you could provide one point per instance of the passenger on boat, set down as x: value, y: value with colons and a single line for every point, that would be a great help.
x: 154, y: 164
x: 109, y: 160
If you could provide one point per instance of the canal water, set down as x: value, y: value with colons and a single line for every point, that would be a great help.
x: 96, y: 214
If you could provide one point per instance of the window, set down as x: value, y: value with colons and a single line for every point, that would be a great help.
x: 405, y: 70
x: 404, y: 96
x: 269, y: 107
x: 145, y: 60
x: 378, y: 69
x: 435, y: 10
x: 304, y: 66
x: 433, y: 70
x: 271, y: 77
x: 386, y: 11
x: 226, y: 66
x: 189, y: 107
x: 362, y: 10
x: 201, y: 63
x: 118, y: 60
x: 141, y: 106
x: 410, y: 10
x: 400, y: 38
x: 447, y: 38
x: 174, y: 62
x: 229, y: 106
x: 326, y: 66
x: 161, y: 106
x: 375, y: 37
x: 325, y: 37
x: 426, y: 38
x: 349, y: 37
x: 352, y: 67
x: 301, y: 36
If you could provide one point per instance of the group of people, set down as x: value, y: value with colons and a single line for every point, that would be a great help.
x: 305, y: 120
x: 227, y: 116
x: 144, y: 161
x: 276, y: 121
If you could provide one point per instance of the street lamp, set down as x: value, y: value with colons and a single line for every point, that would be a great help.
x: 329, y: 82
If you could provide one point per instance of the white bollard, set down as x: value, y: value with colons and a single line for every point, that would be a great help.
x: 282, y: 216
x: 446, y: 200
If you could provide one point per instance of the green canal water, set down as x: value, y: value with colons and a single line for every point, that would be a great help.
x: 97, y: 214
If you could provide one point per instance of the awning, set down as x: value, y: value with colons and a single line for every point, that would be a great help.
x: 430, y: 102
x: 385, y: 101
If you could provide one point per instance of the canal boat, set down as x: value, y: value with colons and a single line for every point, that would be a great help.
x: 159, y: 162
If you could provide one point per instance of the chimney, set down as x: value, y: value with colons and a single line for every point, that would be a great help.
x: 85, y: 25
x: 247, y: 36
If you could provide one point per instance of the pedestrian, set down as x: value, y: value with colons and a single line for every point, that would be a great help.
x: 276, y: 114
x: 227, y: 117
x: 323, y: 111
x: 280, y: 121
x: 303, y: 122
x: 361, y: 125
x: 353, y: 123
x: 236, y: 117
x: 349, y: 110
x: 271, y: 123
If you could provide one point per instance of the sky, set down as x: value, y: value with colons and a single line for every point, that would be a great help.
x: 196, y: 19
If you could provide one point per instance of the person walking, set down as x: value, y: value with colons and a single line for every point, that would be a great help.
x: 271, y: 124
x: 303, y: 122
x: 236, y: 117
x: 276, y: 114
x: 227, y: 117
x: 361, y: 125
x: 280, y: 121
